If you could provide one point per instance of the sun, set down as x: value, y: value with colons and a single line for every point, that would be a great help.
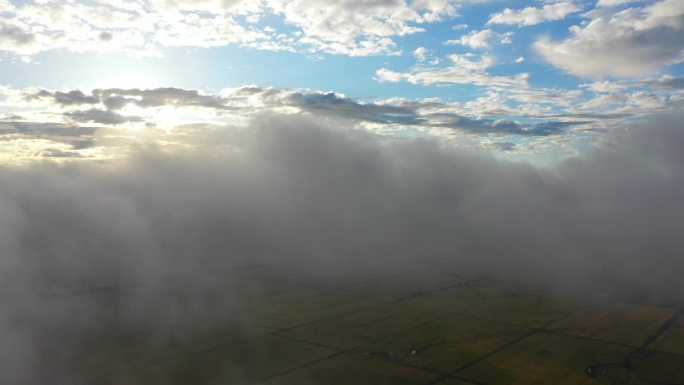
x: 125, y: 72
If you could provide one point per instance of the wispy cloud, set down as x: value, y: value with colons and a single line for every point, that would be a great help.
x: 463, y: 69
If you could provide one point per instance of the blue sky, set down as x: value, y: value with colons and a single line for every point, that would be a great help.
x: 537, y: 77
x: 232, y: 65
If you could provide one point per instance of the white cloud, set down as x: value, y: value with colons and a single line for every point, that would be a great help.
x: 614, y: 3
x: 341, y: 26
x: 386, y: 75
x: 475, y: 39
x: 424, y: 55
x: 482, y: 39
x: 605, y: 86
x: 420, y: 53
x: 464, y: 69
x: 520, y: 59
x: 626, y: 43
x: 532, y: 15
x: 350, y: 27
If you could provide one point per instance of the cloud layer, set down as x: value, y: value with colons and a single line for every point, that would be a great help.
x: 103, y: 123
x: 317, y: 198
x: 110, y: 122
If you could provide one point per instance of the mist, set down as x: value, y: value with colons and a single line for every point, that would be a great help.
x: 170, y: 229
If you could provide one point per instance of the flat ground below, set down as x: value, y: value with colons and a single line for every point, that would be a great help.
x: 406, y: 328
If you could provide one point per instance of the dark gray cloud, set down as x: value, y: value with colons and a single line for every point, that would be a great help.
x: 410, y: 114
x: 160, y: 97
x: 501, y: 127
x: 164, y: 230
x: 75, y: 97
x: 79, y: 137
x: 36, y: 129
x: 593, y: 116
x: 95, y: 115
x: 116, y: 98
x: 669, y: 82
x: 331, y: 104
x: 14, y: 35
x: 551, y: 127
x: 322, y: 104
x: 57, y: 153
x: 105, y: 36
x: 83, y: 144
x: 505, y: 146
x: 413, y: 114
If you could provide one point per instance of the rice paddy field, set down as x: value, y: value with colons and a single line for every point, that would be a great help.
x: 411, y: 328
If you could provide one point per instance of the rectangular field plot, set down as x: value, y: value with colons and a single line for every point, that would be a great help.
x: 446, y: 344
x: 672, y: 339
x: 407, y: 284
x: 348, y: 369
x: 309, y: 309
x: 614, y: 322
x: 244, y: 362
x: 501, y: 302
x: 365, y: 326
x: 658, y: 368
x: 542, y: 359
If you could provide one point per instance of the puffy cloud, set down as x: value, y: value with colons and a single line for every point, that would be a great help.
x: 532, y: 15
x: 350, y: 27
x: 481, y: 39
x: 475, y: 39
x: 346, y: 26
x: 506, y: 38
x: 420, y: 53
x: 626, y: 43
x: 424, y: 55
x: 387, y: 75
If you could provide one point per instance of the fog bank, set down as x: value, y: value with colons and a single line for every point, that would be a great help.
x: 308, y: 196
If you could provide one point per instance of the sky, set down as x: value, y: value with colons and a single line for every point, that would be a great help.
x: 537, y: 80
x: 155, y: 148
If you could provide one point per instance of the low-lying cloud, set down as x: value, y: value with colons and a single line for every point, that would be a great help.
x: 291, y: 191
